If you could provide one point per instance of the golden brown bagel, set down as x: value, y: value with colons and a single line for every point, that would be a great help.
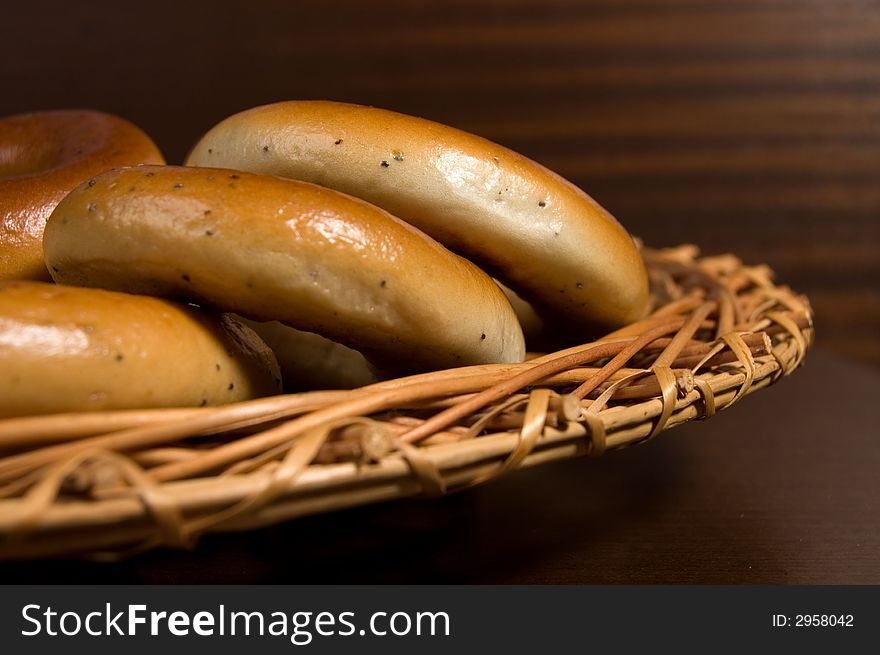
x: 42, y: 157
x: 71, y: 349
x: 535, y: 231
x: 529, y: 320
x: 274, y: 249
x: 309, y: 361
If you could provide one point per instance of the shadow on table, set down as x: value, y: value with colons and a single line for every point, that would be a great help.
x: 508, y: 530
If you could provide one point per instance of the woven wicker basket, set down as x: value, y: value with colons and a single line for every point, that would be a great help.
x: 111, y: 484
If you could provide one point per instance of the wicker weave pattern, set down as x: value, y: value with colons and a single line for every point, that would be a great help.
x: 115, y: 483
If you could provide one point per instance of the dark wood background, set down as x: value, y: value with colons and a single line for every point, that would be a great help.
x: 750, y: 126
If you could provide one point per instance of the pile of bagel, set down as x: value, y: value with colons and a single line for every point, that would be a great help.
x: 304, y: 244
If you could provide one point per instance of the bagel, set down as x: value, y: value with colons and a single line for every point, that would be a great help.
x: 309, y: 361
x: 72, y: 349
x: 536, y: 232
x: 43, y: 156
x: 274, y: 249
x: 529, y: 320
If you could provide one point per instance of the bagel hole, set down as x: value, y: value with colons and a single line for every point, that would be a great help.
x: 20, y: 159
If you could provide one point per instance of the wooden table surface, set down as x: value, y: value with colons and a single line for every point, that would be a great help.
x: 781, y: 488
x: 750, y: 126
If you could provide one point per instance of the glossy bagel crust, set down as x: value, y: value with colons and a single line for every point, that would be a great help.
x: 73, y: 349
x: 529, y: 227
x: 274, y: 249
x: 43, y: 156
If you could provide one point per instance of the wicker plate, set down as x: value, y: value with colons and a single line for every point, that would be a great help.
x: 110, y: 484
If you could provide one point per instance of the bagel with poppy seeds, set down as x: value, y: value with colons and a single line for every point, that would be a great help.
x: 268, y: 248
x: 43, y: 156
x: 65, y: 349
x: 527, y: 226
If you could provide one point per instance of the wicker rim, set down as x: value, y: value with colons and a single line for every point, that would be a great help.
x: 110, y: 484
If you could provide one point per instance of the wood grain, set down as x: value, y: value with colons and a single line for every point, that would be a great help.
x: 747, y: 126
